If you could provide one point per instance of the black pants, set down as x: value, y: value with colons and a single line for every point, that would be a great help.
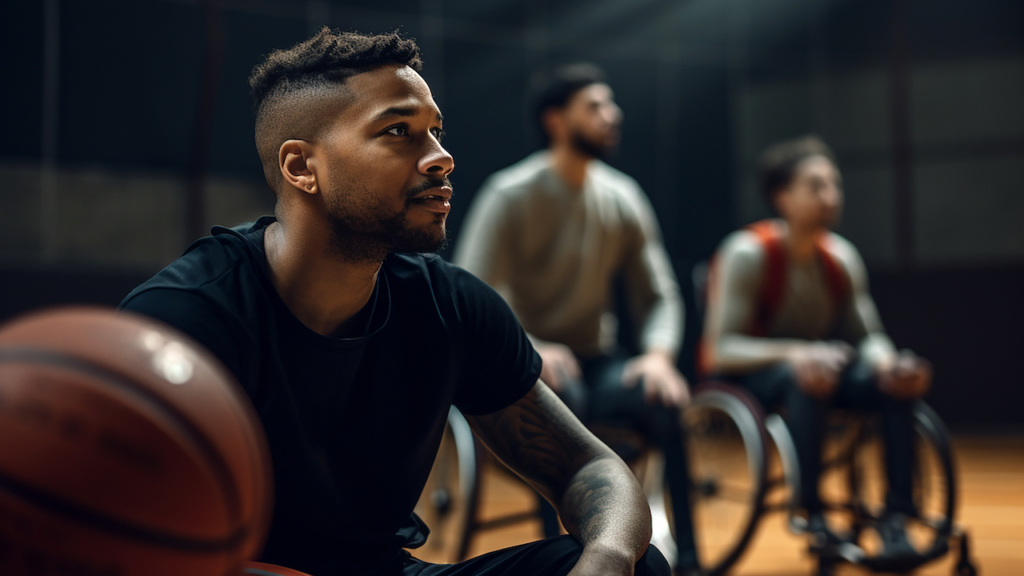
x: 858, y: 389
x: 551, y: 557
x: 602, y: 399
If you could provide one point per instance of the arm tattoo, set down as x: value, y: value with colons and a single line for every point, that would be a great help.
x: 593, y: 490
x: 590, y: 494
x: 538, y: 438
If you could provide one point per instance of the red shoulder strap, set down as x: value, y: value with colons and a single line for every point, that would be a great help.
x: 773, y: 281
x: 836, y: 278
x: 772, y: 286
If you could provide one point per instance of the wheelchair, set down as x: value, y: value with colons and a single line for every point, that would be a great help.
x: 743, y: 465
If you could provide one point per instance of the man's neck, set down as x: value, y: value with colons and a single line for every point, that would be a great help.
x: 800, y: 241
x: 323, y: 291
x: 570, y: 164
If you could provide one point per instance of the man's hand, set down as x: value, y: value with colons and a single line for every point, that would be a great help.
x: 817, y: 366
x: 908, y: 377
x: 661, y: 381
x: 559, y: 365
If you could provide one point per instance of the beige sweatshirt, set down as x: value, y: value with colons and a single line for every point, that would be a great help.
x: 554, y: 253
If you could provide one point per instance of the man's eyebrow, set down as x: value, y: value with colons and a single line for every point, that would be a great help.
x: 403, y: 112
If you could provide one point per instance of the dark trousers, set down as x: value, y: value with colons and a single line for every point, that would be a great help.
x: 551, y: 557
x: 602, y: 399
x: 858, y: 389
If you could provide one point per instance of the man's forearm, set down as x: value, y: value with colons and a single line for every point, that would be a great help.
x: 662, y: 323
x: 668, y: 355
x: 735, y: 353
x: 598, y: 499
x: 606, y: 510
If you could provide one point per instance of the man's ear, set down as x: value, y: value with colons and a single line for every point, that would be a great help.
x: 553, y: 121
x: 294, y: 159
x: 780, y: 201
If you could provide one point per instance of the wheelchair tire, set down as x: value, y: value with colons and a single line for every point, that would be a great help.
x: 449, y: 499
x: 935, y: 491
x: 727, y: 450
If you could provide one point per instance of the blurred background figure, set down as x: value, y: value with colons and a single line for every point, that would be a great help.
x: 790, y: 318
x: 553, y: 234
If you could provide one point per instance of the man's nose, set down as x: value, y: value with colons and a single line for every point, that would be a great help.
x: 613, y: 114
x: 436, y: 162
x: 831, y: 195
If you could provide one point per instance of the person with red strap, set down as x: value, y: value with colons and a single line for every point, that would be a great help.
x: 789, y: 317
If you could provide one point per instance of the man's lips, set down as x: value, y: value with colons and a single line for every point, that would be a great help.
x: 443, y: 191
x: 436, y: 199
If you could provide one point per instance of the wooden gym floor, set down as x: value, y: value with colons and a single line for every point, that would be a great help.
x: 991, y: 507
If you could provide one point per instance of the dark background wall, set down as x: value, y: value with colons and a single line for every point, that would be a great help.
x: 126, y: 130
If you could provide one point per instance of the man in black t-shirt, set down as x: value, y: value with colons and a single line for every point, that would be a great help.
x: 353, y: 345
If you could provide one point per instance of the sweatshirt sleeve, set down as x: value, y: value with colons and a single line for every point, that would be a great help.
x: 654, y: 296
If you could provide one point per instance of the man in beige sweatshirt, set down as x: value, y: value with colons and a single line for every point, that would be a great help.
x: 551, y: 234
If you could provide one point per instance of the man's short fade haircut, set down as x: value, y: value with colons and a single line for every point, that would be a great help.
x: 330, y: 57
x: 289, y: 79
x: 554, y: 88
x: 777, y: 165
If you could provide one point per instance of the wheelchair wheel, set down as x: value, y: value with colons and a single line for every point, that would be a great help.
x: 727, y: 452
x: 448, y: 502
x: 934, y: 477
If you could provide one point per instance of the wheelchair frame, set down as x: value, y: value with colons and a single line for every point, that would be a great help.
x: 928, y: 427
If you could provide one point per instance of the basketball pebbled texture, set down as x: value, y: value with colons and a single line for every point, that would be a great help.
x: 125, y: 449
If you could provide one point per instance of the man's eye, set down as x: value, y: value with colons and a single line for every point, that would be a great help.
x: 438, y: 133
x: 398, y: 131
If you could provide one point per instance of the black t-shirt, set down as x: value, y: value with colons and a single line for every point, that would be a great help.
x: 354, y: 423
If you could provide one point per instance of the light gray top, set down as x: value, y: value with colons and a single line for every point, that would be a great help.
x: 554, y: 252
x: 807, y: 312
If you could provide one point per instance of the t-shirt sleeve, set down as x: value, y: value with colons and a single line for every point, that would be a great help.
x: 194, y: 315
x: 500, y: 364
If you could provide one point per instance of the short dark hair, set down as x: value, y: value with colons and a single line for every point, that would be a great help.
x: 554, y: 88
x: 330, y: 57
x: 777, y: 165
x: 294, y: 90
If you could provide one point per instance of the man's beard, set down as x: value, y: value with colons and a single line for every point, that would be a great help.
x: 590, y: 148
x: 367, y: 235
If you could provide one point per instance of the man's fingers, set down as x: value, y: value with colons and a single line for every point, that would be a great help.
x: 550, y: 377
x: 652, y: 393
x: 677, y: 395
x: 818, y: 379
x: 671, y: 391
x: 846, y: 350
x: 817, y: 375
x: 631, y: 375
x: 684, y: 391
x: 572, y: 367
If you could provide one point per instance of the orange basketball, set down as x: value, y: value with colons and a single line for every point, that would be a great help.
x: 125, y: 449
